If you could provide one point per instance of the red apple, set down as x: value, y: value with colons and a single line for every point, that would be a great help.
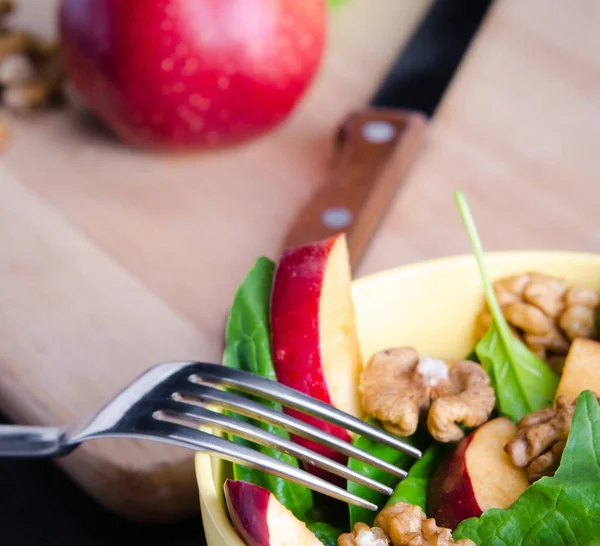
x: 261, y: 520
x: 190, y: 73
x: 314, y: 341
x: 476, y: 476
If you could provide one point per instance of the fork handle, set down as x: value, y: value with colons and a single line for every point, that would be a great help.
x: 32, y: 442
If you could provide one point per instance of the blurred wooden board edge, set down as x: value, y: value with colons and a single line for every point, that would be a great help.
x: 139, y: 480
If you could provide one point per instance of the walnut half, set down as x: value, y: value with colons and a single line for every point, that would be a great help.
x: 397, y: 388
x: 407, y: 525
x: 541, y: 439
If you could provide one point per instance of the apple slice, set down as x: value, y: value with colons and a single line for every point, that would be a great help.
x: 582, y: 369
x: 476, y: 476
x: 314, y: 341
x: 261, y: 520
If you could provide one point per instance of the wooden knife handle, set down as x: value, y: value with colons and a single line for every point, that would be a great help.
x: 374, y: 151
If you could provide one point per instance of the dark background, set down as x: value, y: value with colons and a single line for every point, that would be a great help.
x: 40, y: 506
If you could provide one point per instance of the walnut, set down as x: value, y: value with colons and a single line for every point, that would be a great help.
x: 407, y: 525
x: 578, y: 321
x: 541, y: 439
x: 528, y: 318
x: 363, y: 535
x: 578, y: 295
x: 397, y: 388
x: 544, y: 313
x: 6, y: 7
x: 469, y: 399
x: 545, y: 293
x: 31, y: 71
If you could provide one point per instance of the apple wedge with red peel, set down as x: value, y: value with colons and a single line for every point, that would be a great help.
x: 476, y: 476
x: 261, y: 520
x: 314, y: 341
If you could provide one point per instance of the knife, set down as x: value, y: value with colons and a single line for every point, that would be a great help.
x: 375, y: 147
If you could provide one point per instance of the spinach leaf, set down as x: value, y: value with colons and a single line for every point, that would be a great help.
x: 523, y: 388
x: 413, y: 488
x: 326, y: 533
x: 523, y: 382
x: 388, y: 454
x: 248, y: 348
x: 472, y: 356
x: 557, y: 511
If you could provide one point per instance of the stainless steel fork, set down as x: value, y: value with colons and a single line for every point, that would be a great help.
x: 176, y: 402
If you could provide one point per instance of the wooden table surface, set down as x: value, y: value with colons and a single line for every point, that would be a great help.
x: 113, y: 259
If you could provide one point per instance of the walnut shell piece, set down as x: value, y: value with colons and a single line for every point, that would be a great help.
x: 397, y: 387
x: 407, y: 525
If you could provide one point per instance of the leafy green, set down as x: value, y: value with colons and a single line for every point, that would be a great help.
x: 248, y: 348
x: 333, y: 4
x: 386, y: 453
x: 472, y: 356
x: 557, y: 511
x: 523, y: 387
x: 326, y: 533
x: 523, y: 382
x: 413, y: 488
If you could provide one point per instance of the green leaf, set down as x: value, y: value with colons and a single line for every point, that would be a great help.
x: 326, y: 533
x: 248, y: 348
x: 334, y: 4
x: 413, y: 488
x: 472, y: 356
x: 558, y: 511
x: 388, y: 454
x: 523, y: 382
x: 522, y: 388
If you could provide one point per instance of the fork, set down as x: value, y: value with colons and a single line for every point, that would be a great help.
x: 180, y: 403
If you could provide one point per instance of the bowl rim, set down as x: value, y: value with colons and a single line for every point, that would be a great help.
x: 209, y: 497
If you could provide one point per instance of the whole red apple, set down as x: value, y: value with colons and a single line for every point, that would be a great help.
x: 191, y: 73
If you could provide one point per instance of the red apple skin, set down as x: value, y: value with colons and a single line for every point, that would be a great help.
x: 295, y: 334
x: 478, y: 475
x: 451, y: 497
x: 247, y: 505
x: 261, y: 520
x: 177, y: 74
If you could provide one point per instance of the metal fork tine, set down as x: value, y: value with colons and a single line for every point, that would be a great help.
x: 253, y: 384
x: 173, y: 412
x: 196, y: 440
x: 204, y: 394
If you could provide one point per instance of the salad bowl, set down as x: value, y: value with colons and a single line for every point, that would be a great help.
x: 431, y: 306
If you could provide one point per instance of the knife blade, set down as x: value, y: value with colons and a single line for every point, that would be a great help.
x: 375, y: 147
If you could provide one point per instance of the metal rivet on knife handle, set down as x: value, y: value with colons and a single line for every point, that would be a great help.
x: 372, y: 161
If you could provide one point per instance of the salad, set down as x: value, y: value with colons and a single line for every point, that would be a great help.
x: 510, y: 434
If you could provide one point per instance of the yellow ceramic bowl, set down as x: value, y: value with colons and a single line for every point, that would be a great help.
x: 430, y: 306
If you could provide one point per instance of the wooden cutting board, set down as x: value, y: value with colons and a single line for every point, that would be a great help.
x: 113, y: 259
